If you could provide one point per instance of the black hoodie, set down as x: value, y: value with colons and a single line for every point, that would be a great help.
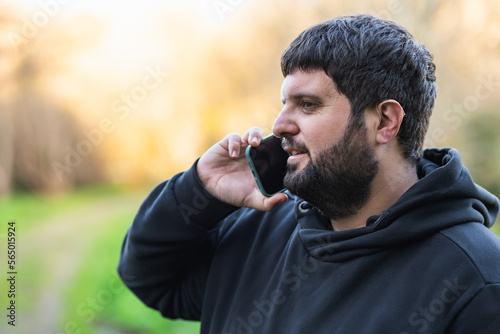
x: 428, y: 264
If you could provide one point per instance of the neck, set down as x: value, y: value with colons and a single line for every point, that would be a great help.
x: 387, y: 187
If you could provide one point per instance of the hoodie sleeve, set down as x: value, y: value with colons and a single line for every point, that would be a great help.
x: 166, y: 254
x: 481, y: 315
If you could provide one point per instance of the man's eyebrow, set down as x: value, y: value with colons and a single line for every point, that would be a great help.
x: 302, y: 95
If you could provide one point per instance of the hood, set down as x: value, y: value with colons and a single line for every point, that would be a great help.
x: 444, y: 196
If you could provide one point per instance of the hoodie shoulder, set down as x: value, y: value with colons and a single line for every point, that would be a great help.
x: 481, y: 246
x: 450, y: 181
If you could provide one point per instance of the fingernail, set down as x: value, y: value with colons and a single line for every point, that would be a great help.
x: 254, y: 140
x: 234, y: 154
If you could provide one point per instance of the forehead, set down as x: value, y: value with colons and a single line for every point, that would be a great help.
x: 310, y: 82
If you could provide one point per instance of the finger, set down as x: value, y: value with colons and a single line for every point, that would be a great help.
x: 270, y: 203
x: 234, y: 145
x: 253, y: 136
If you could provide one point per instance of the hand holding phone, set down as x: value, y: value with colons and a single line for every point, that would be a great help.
x: 224, y: 172
x: 268, y: 164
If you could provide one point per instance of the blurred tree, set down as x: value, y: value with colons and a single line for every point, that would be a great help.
x: 480, y: 143
x: 7, y: 65
x: 46, y: 141
x: 6, y: 149
x: 35, y: 131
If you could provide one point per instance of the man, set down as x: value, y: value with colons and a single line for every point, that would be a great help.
x: 374, y: 235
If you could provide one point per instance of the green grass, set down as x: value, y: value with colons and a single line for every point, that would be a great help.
x: 98, y: 303
x: 29, y: 207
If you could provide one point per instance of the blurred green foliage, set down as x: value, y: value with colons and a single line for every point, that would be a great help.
x: 91, y: 299
x: 480, y: 142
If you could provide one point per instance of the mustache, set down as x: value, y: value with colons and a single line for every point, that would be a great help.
x: 290, y: 142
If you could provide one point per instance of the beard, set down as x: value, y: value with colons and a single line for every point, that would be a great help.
x: 338, y: 181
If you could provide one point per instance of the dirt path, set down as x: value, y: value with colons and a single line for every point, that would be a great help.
x: 55, y: 245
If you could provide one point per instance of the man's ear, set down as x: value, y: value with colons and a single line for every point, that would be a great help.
x: 391, y: 115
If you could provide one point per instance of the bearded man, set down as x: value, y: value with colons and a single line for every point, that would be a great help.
x: 373, y: 235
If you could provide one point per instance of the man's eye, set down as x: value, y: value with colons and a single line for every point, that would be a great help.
x: 308, y: 105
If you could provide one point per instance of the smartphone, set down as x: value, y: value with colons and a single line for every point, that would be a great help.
x: 268, y: 164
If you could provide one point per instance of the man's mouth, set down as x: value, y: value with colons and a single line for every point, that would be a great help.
x: 294, y: 149
x: 295, y: 152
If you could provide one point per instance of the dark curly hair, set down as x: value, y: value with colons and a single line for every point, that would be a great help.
x: 372, y: 60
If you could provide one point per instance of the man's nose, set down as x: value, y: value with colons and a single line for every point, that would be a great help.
x: 285, y: 124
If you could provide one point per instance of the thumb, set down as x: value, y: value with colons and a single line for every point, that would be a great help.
x: 271, y: 202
